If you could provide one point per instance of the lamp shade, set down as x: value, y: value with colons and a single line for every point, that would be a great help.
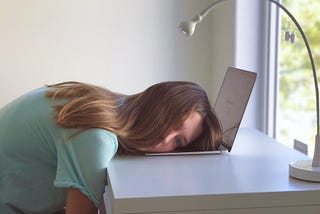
x: 188, y: 27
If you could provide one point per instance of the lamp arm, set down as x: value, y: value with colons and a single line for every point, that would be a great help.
x: 205, y: 12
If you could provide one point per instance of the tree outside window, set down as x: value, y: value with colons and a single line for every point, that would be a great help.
x: 296, y: 114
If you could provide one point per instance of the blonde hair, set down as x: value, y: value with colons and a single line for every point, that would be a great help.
x: 139, y: 120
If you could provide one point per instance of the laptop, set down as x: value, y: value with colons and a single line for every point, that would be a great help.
x: 229, y: 107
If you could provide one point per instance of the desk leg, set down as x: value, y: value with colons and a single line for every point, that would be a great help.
x: 107, y: 202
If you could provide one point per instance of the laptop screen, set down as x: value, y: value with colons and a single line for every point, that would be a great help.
x: 232, y: 101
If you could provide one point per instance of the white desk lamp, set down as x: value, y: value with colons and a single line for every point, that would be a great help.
x: 303, y: 169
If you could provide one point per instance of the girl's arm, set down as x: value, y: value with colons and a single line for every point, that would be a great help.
x: 78, y: 203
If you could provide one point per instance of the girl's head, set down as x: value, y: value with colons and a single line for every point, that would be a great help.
x: 169, y: 116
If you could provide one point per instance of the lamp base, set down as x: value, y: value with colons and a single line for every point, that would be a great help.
x: 303, y: 170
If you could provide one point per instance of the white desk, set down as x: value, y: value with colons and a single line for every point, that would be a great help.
x: 253, y: 178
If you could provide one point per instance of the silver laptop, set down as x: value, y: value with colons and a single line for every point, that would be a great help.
x: 229, y: 107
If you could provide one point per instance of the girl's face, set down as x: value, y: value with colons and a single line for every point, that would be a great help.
x: 190, y: 130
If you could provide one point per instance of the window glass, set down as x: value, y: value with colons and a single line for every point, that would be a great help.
x: 295, y: 112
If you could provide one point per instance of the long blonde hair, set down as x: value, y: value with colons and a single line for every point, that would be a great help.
x: 139, y: 120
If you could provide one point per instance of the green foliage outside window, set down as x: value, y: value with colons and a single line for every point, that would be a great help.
x: 296, y: 114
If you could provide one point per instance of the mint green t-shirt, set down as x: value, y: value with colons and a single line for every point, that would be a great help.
x: 39, y: 160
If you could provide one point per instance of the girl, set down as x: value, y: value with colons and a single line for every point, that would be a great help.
x: 56, y: 141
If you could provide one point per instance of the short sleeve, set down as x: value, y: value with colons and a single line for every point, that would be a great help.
x: 82, y: 161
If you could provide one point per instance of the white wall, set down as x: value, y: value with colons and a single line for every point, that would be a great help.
x: 124, y: 45
x: 223, y: 41
x: 147, y: 46
x: 251, y: 53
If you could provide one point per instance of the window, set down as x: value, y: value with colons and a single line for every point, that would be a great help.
x: 294, y: 113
